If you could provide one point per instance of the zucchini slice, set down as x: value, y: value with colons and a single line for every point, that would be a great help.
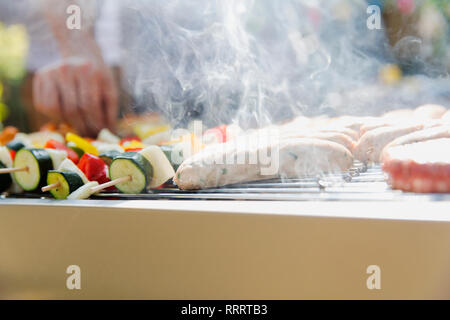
x: 83, y: 192
x: 5, y: 158
x: 38, y: 162
x: 15, y: 145
x: 5, y: 180
x: 162, y: 168
x: 135, y: 165
x: 174, y: 155
x: 109, y: 156
x: 77, y: 150
x: 69, y: 182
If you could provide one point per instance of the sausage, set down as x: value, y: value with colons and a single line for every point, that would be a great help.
x: 429, y: 111
x: 446, y: 117
x: 372, y: 143
x: 418, y: 136
x: 290, y: 158
x: 351, y: 122
x: 337, y: 137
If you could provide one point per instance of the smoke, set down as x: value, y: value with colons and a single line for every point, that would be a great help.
x: 256, y: 62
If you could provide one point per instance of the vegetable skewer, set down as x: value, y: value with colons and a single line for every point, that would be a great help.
x: 12, y: 170
x: 133, y: 173
x: 51, y: 187
x: 111, y: 184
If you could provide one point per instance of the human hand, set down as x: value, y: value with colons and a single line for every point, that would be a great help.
x: 79, y: 92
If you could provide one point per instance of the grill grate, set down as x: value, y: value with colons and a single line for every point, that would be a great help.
x: 360, y: 183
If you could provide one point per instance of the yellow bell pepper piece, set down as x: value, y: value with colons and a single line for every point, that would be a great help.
x: 144, y: 131
x: 81, y: 143
x: 133, y: 144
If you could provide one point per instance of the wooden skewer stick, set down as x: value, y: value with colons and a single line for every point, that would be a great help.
x: 11, y: 170
x: 110, y: 184
x: 51, y: 187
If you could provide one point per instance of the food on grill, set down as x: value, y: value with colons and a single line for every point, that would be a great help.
x: 333, y: 136
x: 71, y: 154
x: 174, y: 155
x: 136, y: 168
x: 5, y: 179
x: 107, y: 136
x: 162, y: 168
x: 57, y: 156
x: 419, y: 167
x: 372, y: 143
x: 32, y: 166
x: 15, y: 145
x: 8, y: 135
x: 7, y: 163
x: 295, y: 158
x: 81, y: 143
x: 109, y: 156
x: 94, y: 168
x: 83, y: 192
x: 429, y: 111
x: 68, y: 166
x: 418, y: 136
x: 446, y: 117
x: 62, y: 183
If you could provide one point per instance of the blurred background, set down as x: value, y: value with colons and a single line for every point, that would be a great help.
x: 252, y: 62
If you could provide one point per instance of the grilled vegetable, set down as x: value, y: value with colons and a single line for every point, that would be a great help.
x: 162, y: 168
x: 38, y: 162
x: 7, y: 160
x: 68, y: 183
x: 83, y: 192
x: 7, y: 135
x: 103, y: 147
x: 68, y: 166
x: 77, y: 150
x: 134, y: 165
x: 174, y: 155
x: 5, y: 179
x: 15, y: 145
x: 107, y: 136
x: 94, y: 168
x: 109, y: 156
x: 81, y: 143
x: 71, y: 154
x: 57, y: 156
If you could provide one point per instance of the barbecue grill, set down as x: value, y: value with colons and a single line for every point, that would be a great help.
x: 296, y: 238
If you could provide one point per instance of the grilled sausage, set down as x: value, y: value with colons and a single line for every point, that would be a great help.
x: 372, y: 143
x: 290, y: 158
x: 429, y: 111
x: 337, y: 137
x: 418, y: 136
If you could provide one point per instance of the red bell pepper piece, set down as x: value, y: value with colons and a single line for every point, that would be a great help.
x: 53, y: 144
x: 94, y: 168
x: 13, y: 154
